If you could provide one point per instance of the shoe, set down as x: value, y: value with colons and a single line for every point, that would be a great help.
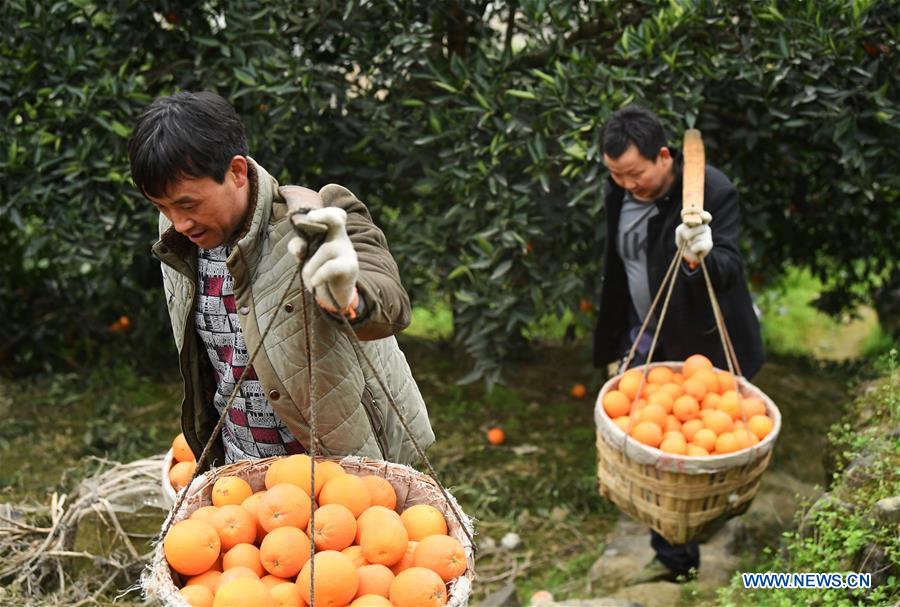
x: 656, y: 571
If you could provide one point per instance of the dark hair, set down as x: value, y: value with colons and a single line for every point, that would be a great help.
x: 636, y: 125
x: 184, y: 135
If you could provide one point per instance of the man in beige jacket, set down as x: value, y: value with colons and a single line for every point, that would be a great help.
x: 229, y: 251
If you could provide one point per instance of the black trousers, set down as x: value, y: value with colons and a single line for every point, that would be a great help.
x: 680, y: 558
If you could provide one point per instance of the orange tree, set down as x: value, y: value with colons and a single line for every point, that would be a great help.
x: 470, y: 128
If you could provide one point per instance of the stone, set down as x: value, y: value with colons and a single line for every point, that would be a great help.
x: 505, y: 596
x: 827, y: 501
x: 886, y: 512
x: 873, y: 560
x: 627, y: 550
x: 859, y: 471
x: 656, y: 594
x: 511, y: 541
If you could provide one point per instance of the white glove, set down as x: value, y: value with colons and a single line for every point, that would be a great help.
x: 698, y: 238
x: 334, y: 265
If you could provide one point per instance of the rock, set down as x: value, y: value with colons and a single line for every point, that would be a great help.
x: 859, y: 472
x: 886, y: 512
x: 627, y: 551
x: 828, y: 501
x: 506, y: 596
x: 486, y: 543
x: 718, y: 557
x: 657, y: 594
x: 873, y: 560
x: 511, y: 541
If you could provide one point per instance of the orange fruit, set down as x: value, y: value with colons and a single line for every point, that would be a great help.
x: 423, y: 520
x: 695, y: 450
x: 726, y: 381
x: 578, y: 391
x: 251, y: 505
x: 234, y: 525
x: 233, y: 574
x: 660, y: 375
x: 674, y: 445
x: 686, y: 407
x: 374, y: 579
x: 335, y: 527
x: 585, y: 305
x: 694, y: 363
x: 347, y: 490
x: 647, y: 433
x: 616, y: 404
x: 354, y: 553
x: 760, y: 425
x: 496, y: 436
x: 630, y: 382
x: 741, y: 437
x: 273, y: 472
x: 690, y: 427
x: 203, y: 513
x: 286, y: 594
x: 272, y: 580
x: 384, y: 543
x: 381, y: 491
x: 371, y: 600
x: 710, y: 401
x: 197, y: 596
x: 297, y: 470
x: 672, y: 389
x: 442, y: 554
x: 336, y: 579
x: 694, y: 387
x: 730, y: 403
x: 418, y: 587
x: 191, y: 547
x: 406, y: 561
x: 706, y: 438
x: 655, y: 414
x: 672, y: 423
x: 283, y: 505
x: 623, y: 422
x: 718, y: 421
x: 329, y: 469
x: 181, y: 474
x: 374, y: 514
x: 181, y: 451
x: 209, y: 578
x: 752, y: 406
x: 709, y: 378
x: 230, y: 490
x: 726, y: 443
x: 284, y: 551
x: 243, y: 592
x: 243, y: 555
x: 663, y: 399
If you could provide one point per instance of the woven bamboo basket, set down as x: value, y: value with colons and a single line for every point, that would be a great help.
x: 162, y: 583
x: 681, y: 497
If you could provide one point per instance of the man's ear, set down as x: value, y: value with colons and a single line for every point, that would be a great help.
x: 239, y: 171
x: 665, y: 153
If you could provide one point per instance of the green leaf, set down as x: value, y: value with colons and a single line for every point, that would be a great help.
x: 521, y: 94
x: 244, y: 77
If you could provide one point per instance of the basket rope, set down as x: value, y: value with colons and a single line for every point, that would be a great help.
x: 308, y: 329
x: 668, y: 285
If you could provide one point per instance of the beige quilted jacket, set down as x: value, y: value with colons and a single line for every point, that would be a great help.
x: 353, y: 415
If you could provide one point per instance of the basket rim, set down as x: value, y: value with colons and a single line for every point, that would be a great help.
x: 602, y: 420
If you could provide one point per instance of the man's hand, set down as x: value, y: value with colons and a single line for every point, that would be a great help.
x: 697, y: 239
x: 334, y: 265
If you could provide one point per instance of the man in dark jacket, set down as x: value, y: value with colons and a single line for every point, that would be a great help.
x: 644, y: 230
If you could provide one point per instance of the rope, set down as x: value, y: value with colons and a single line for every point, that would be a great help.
x: 218, y: 428
x: 312, y: 439
x: 354, y: 340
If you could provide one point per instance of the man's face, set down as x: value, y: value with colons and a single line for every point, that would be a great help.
x: 205, y: 211
x: 645, y: 179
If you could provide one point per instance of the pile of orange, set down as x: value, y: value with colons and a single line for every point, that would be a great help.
x: 695, y: 412
x: 252, y: 548
x: 183, y: 463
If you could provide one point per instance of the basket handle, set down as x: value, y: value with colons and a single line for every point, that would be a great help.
x: 693, y: 174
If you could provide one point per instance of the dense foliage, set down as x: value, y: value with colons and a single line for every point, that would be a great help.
x: 470, y: 128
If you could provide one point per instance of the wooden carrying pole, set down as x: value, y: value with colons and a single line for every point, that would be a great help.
x: 694, y: 169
